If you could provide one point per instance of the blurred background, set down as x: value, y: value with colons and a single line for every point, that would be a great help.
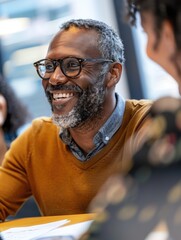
x: 26, y: 28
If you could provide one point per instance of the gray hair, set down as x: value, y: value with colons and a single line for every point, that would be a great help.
x: 109, y: 44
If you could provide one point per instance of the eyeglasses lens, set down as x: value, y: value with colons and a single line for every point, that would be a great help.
x: 45, y: 68
x: 70, y: 67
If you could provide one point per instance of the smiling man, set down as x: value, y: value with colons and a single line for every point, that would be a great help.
x: 64, y: 160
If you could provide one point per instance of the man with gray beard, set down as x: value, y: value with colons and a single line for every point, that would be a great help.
x: 64, y: 160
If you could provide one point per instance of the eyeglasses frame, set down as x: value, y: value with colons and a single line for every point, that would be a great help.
x: 57, y: 62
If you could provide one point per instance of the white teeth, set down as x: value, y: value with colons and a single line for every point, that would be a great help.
x: 62, y: 95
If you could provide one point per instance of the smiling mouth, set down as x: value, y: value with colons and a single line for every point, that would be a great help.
x: 62, y: 93
x: 62, y: 96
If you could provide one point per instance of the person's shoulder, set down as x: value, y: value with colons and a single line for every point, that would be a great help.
x: 35, y: 123
x: 135, y: 106
x: 40, y: 123
x: 42, y: 120
x: 140, y: 102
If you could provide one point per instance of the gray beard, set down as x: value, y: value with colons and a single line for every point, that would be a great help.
x: 88, y: 108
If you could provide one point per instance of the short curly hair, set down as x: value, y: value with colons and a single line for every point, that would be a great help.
x: 109, y: 44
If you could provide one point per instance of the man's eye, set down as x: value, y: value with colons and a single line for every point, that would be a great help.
x: 49, y: 67
x: 72, y: 65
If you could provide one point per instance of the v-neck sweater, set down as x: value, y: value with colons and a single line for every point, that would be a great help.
x: 40, y: 164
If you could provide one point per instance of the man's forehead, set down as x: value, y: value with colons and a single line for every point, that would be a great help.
x: 75, y: 38
x: 76, y: 41
x: 76, y: 33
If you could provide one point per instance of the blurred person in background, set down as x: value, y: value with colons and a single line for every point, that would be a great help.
x: 83, y: 142
x: 147, y: 203
x: 13, y: 116
x: 14, y: 119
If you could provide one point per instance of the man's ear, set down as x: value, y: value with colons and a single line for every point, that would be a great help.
x: 3, y: 110
x: 114, y: 74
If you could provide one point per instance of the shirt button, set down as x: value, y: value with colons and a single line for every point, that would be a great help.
x: 107, y: 138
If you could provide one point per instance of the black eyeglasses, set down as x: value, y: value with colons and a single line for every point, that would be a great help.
x: 70, y: 66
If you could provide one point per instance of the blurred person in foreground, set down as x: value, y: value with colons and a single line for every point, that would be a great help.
x: 147, y: 203
x: 13, y: 116
x: 63, y: 160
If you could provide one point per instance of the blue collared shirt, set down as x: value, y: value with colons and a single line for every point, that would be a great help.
x: 102, y: 137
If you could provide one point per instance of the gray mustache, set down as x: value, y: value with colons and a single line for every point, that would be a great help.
x: 64, y: 87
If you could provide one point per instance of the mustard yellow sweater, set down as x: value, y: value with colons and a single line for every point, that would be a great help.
x: 39, y: 163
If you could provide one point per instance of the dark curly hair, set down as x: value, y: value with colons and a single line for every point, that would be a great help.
x: 17, y: 113
x: 161, y: 10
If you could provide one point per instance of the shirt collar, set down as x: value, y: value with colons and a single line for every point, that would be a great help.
x: 113, y: 123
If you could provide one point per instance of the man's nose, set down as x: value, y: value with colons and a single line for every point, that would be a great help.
x: 57, y: 77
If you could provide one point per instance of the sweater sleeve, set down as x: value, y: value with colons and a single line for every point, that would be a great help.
x: 14, y: 184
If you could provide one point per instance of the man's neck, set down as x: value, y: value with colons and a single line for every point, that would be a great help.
x: 83, y: 135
